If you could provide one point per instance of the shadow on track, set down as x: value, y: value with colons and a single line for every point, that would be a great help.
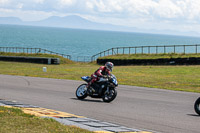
x: 88, y: 100
x: 194, y: 115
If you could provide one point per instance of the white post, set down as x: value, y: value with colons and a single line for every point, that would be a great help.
x: 44, y: 69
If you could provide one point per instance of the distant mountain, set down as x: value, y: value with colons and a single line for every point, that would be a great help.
x: 10, y: 20
x: 78, y: 22
x: 72, y: 21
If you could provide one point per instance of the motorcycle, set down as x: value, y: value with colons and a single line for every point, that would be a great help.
x: 197, y: 106
x: 104, y: 88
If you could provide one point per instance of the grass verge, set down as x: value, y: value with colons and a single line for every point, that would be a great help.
x: 13, y: 120
x: 149, y: 56
x: 182, y: 78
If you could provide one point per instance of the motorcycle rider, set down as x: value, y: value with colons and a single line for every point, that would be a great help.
x: 101, y: 72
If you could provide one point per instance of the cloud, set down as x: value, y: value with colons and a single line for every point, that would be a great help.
x: 3, y: 1
x: 20, y: 5
x: 39, y: 1
x: 64, y: 3
x: 157, y: 9
x: 167, y: 9
x: 123, y: 12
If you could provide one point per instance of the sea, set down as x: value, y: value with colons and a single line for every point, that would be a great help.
x: 81, y: 42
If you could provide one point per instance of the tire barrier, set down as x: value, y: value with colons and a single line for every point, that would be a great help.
x: 161, y: 61
x: 40, y: 60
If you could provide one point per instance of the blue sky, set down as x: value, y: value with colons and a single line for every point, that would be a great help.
x: 179, y: 15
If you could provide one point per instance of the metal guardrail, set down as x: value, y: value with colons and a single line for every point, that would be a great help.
x: 31, y: 51
x: 149, y: 50
x: 113, y: 51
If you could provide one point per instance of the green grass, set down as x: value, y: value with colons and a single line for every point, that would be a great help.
x: 13, y: 120
x: 149, y: 56
x: 183, y: 78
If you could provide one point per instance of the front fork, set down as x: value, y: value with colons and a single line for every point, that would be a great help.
x: 107, y: 90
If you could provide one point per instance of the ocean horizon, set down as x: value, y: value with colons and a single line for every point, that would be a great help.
x: 82, y: 42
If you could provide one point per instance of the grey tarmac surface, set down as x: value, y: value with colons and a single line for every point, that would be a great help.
x: 135, y: 107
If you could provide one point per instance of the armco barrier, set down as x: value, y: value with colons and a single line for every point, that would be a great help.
x: 183, y: 49
x: 40, y: 60
x: 161, y: 61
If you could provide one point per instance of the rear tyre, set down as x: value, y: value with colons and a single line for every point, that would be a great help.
x: 81, y: 91
x: 109, y: 96
x: 197, y: 106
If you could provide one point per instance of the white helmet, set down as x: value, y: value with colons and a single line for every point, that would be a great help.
x: 109, y: 66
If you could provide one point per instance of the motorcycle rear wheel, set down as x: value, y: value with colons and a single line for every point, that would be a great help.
x: 197, y: 106
x: 110, y: 96
x: 81, y: 91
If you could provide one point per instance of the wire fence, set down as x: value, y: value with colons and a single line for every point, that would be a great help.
x: 31, y: 51
x: 149, y: 50
x: 184, y: 49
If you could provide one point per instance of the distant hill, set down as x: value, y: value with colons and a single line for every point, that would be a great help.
x: 10, y: 20
x: 78, y: 22
x: 72, y: 21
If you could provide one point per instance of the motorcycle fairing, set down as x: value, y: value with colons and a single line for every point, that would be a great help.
x: 86, y: 78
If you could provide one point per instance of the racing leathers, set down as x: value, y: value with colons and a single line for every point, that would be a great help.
x: 101, y: 72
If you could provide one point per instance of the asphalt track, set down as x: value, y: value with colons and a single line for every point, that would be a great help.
x: 135, y: 107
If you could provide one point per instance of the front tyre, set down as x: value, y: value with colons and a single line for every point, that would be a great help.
x: 109, y: 96
x: 81, y: 91
x: 197, y: 106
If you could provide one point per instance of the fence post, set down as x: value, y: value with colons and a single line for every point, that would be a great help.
x: 149, y: 50
x: 135, y: 50
x: 112, y: 51
x: 129, y: 50
x: 123, y: 50
x: 142, y: 49
x: 184, y: 49
x: 164, y: 50
x: 117, y: 50
x: 174, y: 49
x: 156, y: 49
x: 196, y: 49
x: 91, y: 58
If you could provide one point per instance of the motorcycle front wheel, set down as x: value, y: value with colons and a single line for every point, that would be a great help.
x: 197, y: 106
x: 109, y: 96
x: 81, y: 91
